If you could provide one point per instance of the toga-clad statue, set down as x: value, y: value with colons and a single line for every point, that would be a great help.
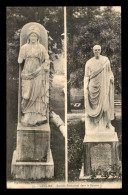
x: 98, y: 92
x: 34, y: 97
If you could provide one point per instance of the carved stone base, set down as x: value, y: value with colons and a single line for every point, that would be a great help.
x: 33, y: 143
x: 32, y: 170
x: 32, y: 158
x: 100, y: 153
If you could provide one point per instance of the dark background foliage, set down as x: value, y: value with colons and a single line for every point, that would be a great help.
x: 52, y: 18
x: 86, y: 27
x: 76, y: 133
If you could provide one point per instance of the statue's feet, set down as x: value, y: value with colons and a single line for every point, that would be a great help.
x: 42, y: 121
x: 109, y: 126
x: 33, y: 119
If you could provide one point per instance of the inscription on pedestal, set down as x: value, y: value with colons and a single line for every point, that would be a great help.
x: 33, y: 145
x: 101, y: 157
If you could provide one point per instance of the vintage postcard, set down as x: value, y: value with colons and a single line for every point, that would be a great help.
x: 64, y: 97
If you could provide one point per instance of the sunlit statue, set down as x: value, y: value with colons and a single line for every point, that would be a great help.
x: 99, y: 93
x: 34, y: 96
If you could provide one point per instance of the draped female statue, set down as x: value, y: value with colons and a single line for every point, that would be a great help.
x: 33, y: 79
x: 98, y: 92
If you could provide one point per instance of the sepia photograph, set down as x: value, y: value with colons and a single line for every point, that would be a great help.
x: 35, y: 94
x: 64, y: 97
x: 94, y: 94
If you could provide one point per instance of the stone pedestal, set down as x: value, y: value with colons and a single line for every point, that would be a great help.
x: 32, y: 158
x: 100, y: 150
x: 33, y: 143
x: 32, y: 170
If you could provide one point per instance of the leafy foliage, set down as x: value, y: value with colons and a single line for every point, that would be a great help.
x: 50, y: 17
x: 75, y: 149
x: 114, y: 172
x: 88, y: 26
x: 76, y: 132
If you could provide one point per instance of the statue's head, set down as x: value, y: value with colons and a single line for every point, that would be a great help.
x: 97, y: 50
x: 33, y: 34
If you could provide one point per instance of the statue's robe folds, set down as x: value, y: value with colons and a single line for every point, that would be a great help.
x: 34, y: 88
x: 99, y: 93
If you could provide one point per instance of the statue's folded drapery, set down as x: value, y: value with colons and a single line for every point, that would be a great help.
x: 34, y: 92
x: 99, y: 90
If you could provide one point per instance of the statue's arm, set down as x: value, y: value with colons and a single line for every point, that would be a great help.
x: 86, y: 78
x: 86, y: 82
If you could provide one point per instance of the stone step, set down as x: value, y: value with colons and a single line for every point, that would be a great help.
x: 32, y: 170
